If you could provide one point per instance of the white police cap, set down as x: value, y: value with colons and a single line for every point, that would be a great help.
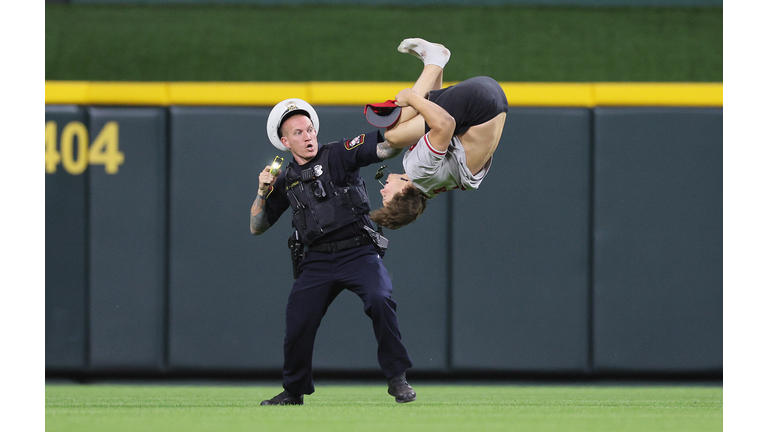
x: 278, y: 114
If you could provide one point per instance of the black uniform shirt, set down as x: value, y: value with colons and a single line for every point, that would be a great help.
x: 346, y: 158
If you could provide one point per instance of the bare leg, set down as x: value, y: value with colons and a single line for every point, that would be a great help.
x: 431, y: 78
x: 410, y: 126
x: 406, y: 134
x: 480, y: 142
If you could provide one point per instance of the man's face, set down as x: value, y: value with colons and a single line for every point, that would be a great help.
x: 300, y: 136
x: 395, y: 184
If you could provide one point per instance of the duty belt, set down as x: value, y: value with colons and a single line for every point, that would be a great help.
x: 341, y: 245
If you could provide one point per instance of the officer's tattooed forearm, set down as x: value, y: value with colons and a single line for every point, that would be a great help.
x: 385, y: 151
x: 259, y: 222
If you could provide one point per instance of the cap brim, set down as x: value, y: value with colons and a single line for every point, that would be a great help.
x: 381, y: 120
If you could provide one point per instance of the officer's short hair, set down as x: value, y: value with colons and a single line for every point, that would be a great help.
x: 404, y: 207
x: 287, y: 116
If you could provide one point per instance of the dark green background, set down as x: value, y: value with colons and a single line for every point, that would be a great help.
x: 358, y: 43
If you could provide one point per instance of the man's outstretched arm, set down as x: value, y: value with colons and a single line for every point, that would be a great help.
x: 441, y: 124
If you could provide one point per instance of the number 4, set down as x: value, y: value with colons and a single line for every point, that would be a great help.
x: 105, y: 150
x: 52, y: 157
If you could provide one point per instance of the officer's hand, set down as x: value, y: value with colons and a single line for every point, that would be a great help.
x: 402, y: 98
x: 266, y: 179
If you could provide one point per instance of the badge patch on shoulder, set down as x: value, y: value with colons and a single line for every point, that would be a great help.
x: 350, y: 144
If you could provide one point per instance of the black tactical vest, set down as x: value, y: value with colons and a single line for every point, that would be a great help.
x: 319, y: 206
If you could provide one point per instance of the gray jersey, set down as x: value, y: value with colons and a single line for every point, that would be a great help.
x: 432, y: 171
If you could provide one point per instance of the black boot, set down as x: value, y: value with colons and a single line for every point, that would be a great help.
x: 285, y: 398
x: 400, y: 389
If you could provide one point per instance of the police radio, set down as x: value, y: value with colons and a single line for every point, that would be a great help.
x: 275, y: 168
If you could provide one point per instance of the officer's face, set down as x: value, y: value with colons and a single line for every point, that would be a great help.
x: 300, y: 136
x: 395, y: 184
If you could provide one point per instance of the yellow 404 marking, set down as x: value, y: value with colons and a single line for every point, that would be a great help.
x: 75, y: 154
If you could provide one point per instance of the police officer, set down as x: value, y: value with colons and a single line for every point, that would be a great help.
x: 329, y: 202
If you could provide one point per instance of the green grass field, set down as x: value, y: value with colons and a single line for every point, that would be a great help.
x: 367, y: 408
x: 358, y: 43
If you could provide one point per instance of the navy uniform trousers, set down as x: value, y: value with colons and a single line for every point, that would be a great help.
x: 323, y: 277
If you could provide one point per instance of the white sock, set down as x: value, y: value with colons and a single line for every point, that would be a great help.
x: 428, y: 52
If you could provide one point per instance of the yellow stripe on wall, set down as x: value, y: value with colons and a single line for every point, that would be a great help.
x: 353, y: 93
x: 267, y: 94
x: 549, y: 94
x: 658, y: 94
x: 127, y: 93
x: 66, y: 92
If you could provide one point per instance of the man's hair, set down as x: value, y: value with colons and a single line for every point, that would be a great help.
x: 289, y: 115
x: 404, y: 207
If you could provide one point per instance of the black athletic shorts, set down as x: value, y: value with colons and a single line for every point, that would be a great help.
x: 471, y: 102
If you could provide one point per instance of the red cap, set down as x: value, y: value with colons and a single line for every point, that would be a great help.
x: 382, y: 115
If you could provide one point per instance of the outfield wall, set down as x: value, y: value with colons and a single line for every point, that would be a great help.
x: 594, y: 246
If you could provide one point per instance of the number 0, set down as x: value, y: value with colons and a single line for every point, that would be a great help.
x: 71, y: 131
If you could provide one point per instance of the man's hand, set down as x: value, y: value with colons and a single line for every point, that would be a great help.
x: 259, y: 222
x: 402, y: 97
x: 384, y: 150
x: 267, y: 180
